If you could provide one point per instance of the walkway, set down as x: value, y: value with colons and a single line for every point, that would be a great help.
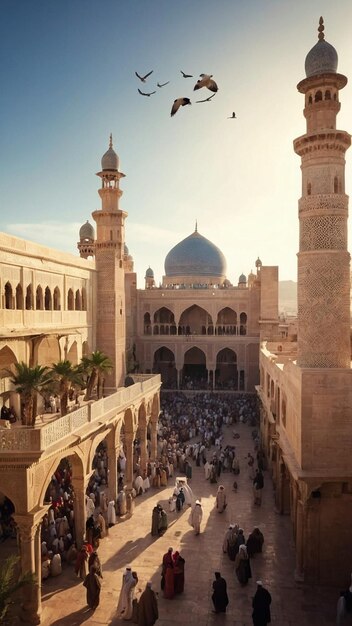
x: 130, y: 543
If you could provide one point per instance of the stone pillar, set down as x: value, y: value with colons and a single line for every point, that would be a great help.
x: 213, y: 386
x: 29, y: 540
x: 112, y: 472
x: 154, y: 441
x: 79, y: 508
x: 144, y: 451
x: 300, y: 523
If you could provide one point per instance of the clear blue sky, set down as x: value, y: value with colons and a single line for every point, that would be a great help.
x: 67, y: 81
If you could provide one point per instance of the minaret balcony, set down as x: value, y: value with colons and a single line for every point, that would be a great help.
x: 330, y: 140
x: 322, y: 203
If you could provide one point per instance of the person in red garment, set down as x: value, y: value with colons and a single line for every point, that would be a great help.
x: 168, y: 575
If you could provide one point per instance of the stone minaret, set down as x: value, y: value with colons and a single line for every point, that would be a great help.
x: 109, y: 256
x: 323, y: 259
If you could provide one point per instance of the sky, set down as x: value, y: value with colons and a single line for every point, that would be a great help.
x: 67, y: 77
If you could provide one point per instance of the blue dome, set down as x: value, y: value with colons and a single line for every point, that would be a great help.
x: 322, y: 58
x: 149, y: 273
x: 195, y: 256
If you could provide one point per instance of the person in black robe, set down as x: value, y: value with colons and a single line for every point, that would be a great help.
x: 156, y: 517
x: 255, y: 542
x: 261, y: 606
x: 93, y: 586
x: 220, y: 598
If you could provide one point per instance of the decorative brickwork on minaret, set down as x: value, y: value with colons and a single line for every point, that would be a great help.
x: 323, y: 259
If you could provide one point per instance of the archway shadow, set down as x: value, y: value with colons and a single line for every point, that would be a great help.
x: 74, y: 619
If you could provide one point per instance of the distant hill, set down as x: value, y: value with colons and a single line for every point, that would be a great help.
x: 288, y: 296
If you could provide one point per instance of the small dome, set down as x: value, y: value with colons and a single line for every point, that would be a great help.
x: 110, y: 160
x: 322, y: 58
x: 87, y: 231
x: 126, y: 250
x: 258, y: 262
x: 195, y: 256
x: 242, y: 279
x: 149, y: 273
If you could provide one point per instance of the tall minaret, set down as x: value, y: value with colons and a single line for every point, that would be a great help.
x: 323, y: 259
x: 109, y: 255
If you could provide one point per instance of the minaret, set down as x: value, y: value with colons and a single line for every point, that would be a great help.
x: 323, y: 259
x: 109, y: 255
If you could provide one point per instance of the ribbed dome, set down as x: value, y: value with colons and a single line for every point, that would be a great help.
x: 242, y: 279
x: 87, y: 231
x: 149, y: 273
x: 258, y: 262
x: 195, y: 256
x: 110, y: 160
x: 322, y: 58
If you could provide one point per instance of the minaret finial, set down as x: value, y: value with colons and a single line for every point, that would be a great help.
x: 110, y: 142
x: 196, y: 228
x: 321, y: 29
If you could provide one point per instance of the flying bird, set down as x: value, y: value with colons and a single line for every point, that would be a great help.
x: 186, y: 75
x: 206, y: 80
x: 143, y: 78
x: 206, y: 99
x: 146, y: 94
x: 180, y: 102
x: 163, y: 84
x: 233, y: 116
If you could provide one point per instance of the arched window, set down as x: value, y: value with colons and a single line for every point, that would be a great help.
x: 70, y: 300
x: 328, y: 95
x: 309, y: 189
x: 29, y: 298
x: 318, y: 96
x: 243, y: 324
x: 8, y: 296
x: 335, y: 97
x: 57, y: 305
x: 19, y: 297
x: 78, y: 301
x: 39, y: 298
x: 84, y: 299
x: 336, y: 185
x: 310, y: 100
x: 47, y: 299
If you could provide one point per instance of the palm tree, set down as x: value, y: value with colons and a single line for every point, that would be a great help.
x: 9, y: 583
x: 29, y: 381
x: 97, y: 366
x: 67, y: 376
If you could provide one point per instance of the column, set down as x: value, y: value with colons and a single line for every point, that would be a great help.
x: 213, y: 372
x: 154, y: 441
x: 299, y: 571
x: 144, y: 451
x: 79, y: 508
x: 112, y: 473
x: 29, y: 538
x: 129, y: 471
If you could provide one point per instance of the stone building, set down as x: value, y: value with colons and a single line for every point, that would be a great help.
x: 306, y: 388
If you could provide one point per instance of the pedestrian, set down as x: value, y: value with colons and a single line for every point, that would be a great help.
x: 81, y: 566
x: 179, y: 572
x: 196, y: 516
x: 125, y: 603
x: 180, y: 499
x: 220, y: 598
x: 148, y: 607
x: 93, y: 586
x: 254, y: 542
x: 163, y: 522
x: 242, y: 565
x: 167, y: 575
x: 225, y: 543
x: 258, y: 484
x: 156, y: 515
x: 94, y: 561
x: 261, y: 606
x: 221, y: 502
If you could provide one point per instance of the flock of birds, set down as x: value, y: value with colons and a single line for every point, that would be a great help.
x: 205, y: 80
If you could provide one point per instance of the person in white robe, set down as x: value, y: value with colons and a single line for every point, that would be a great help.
x: 196, y: 517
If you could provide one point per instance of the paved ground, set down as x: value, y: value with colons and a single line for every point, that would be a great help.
x: 130, y: 542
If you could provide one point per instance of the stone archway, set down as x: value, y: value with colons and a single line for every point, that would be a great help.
x: 164, y: 364
x: 194, y: 372
x: 194, y: 321
x: 226, y: 375
x: 48, y: 351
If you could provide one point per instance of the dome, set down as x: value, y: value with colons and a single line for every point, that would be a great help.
x: 87, y: 231
x: 322, y: 58
x: 195, y: 256
x: 126, y: 250
x: 149, y: 273
x: 258, y: 262
x: 110, y: 160
x: 242, y: 279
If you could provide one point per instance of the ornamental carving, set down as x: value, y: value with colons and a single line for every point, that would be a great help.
x: 323, y: 232
x: 56, y: 430
x: 324, y: 202
x: 15, y: 440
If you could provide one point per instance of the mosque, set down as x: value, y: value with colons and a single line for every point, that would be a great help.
x: 195, y: 331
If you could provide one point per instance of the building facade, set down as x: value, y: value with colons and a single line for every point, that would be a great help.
x: 306, y: 388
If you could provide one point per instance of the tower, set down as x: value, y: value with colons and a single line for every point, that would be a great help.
x: 109, y: 256
x: 323, y: 259
x: 86, y: 241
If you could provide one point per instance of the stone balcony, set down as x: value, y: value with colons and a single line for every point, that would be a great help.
x: 50, y: 428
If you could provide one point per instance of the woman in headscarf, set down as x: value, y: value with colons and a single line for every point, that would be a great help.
x: 179, y: 572
x: 255, y: 542
x: 221, y: 502
x: 220, y: 598
x: 225, y: 543
x: 242, y: 565
x: 81, y: 567
x: 93, y: 586
x: 148, y: 607
x: 168, y: 578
